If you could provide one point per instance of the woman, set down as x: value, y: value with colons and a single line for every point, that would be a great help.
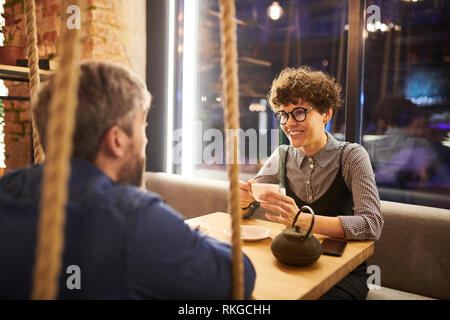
x: 334, y: 178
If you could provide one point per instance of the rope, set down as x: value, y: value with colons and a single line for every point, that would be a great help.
x: 56, y: 170
x: 33, y: 64
x: 230, y: 83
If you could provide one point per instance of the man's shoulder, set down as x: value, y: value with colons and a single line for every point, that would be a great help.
x: 21, y: 183
x: 143, y: 201
x: 19, y: 173
x: 129, y: 195
x: 127, y: 190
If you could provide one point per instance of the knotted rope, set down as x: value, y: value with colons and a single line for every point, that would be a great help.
x: 230, y: 84
x: 33, y: 75
x: 57, y: 169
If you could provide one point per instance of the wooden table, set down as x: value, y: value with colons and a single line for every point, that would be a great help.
x: 275, y: 280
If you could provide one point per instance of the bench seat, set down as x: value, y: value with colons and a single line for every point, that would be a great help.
x: 413, y: 253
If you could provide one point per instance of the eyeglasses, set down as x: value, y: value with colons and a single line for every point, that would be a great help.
x: 299, y: 115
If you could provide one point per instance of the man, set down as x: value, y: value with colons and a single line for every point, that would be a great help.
x: 126, y: 243
x: 404, y: 158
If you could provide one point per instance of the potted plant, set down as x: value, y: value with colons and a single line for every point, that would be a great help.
x: 10, y: 52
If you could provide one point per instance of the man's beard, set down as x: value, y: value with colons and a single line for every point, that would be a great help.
x: 132, y: 171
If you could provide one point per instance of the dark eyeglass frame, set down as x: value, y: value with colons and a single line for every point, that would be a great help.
x: 281, y: 112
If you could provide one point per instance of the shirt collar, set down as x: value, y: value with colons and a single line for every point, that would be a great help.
x: 83, y: 168
x: 322, y: 157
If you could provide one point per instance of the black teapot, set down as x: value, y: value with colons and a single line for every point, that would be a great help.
x: 295, y: 246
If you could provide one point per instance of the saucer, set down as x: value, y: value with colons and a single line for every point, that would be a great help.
x: 251, y: 233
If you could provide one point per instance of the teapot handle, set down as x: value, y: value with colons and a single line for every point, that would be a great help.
x: 312, y: 221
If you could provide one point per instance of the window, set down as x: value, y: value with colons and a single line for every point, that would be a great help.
x: 406, y: 101
x: 307, y: 32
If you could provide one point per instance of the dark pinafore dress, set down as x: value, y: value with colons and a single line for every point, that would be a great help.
x: 336, y: 201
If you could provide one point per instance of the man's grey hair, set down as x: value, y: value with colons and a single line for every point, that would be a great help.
x: 109, y: 94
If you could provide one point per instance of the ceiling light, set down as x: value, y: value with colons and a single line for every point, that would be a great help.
x: 275, y: 11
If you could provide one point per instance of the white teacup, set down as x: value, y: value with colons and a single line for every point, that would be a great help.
x: 259, y: 189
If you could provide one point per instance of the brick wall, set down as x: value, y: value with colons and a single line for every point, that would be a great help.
x: 17, y: 124
x: 18, y: 147
x: 102, y: 39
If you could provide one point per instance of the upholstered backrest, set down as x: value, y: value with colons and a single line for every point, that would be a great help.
x: 413, y: 252
x: 191, y: 197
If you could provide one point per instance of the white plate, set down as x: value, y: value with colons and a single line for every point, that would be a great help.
x: 251, y: 233
x: 197, y: 226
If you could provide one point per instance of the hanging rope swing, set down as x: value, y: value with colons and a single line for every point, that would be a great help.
x: 50, y: 238
x: 33, y: 75
x: 231, y: 95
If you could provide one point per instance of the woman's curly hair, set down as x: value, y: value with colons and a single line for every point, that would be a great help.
x: 311, y: 86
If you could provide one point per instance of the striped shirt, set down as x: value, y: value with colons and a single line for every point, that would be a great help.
x: 309, y: 177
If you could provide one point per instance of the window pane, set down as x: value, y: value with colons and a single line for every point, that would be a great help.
x: 406, y: 101
x: 307, y: 33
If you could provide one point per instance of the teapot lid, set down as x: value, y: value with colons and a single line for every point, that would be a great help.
x: 294, y: 233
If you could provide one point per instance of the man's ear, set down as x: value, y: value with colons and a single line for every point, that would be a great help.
x: 115, y: 142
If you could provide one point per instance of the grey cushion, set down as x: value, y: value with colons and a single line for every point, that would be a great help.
x: 413, y: 252
x: 191, y: 197
x: 384, y: 293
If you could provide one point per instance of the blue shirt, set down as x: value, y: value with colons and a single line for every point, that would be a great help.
x: 127, y: 243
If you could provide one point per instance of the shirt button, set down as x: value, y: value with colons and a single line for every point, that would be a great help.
x: 311, y: 166
x: 307, y: 182
x: 310, y: 198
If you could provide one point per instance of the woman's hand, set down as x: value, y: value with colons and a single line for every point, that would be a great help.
x: 287, y: 208
x: 279, y: 203
x: 244, y: 193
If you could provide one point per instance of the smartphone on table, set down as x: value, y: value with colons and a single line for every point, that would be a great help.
x: 333, y: 247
